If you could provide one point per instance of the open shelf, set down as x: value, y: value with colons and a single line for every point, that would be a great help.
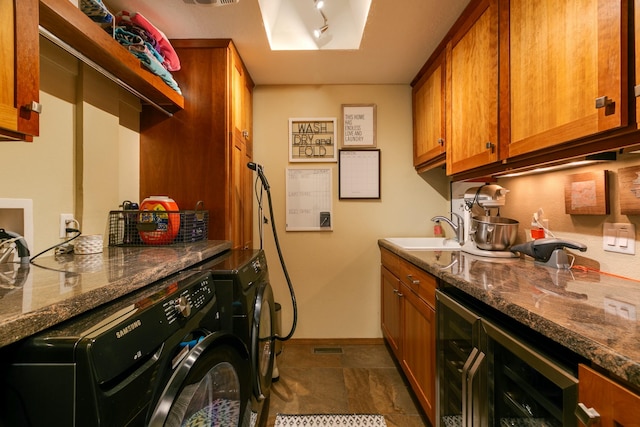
x: 72, y: 27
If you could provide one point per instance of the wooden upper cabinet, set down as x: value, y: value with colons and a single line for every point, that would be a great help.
x: 429, y: 140
x: 565, y: 59
x: 19, y: 70
x: 472, y: 86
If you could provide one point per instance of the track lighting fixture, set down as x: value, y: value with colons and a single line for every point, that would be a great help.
x: 320, y: 31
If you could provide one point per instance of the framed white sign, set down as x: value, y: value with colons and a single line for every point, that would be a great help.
x: 359, y: 125
x: 312, y: 140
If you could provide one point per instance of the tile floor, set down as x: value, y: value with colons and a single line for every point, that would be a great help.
x: 363, y: 379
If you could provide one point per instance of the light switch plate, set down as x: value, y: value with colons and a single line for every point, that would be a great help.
x: 619, y: 237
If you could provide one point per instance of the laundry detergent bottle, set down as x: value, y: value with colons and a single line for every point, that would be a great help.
x: 159, y: 220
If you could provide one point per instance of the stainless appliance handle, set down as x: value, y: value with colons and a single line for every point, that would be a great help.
x: 467, y: 390
x: 470, y: 377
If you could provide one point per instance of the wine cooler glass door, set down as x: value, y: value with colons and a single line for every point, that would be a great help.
x: 456, y: 347
x: 526, y: 387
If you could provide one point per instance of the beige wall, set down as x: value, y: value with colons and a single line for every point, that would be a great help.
x: 85, y: 161
x: 336, y: 273
x: 546, y: 191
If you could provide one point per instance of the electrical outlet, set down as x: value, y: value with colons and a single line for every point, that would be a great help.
x: 66, y: 220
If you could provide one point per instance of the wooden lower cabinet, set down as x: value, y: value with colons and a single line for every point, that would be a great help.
x: 408, y: 325
x: 418, y: 348
x: 391, y: 311
x: 616, y: 405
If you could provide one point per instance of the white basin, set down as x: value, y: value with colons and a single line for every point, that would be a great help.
x: 424, y: 243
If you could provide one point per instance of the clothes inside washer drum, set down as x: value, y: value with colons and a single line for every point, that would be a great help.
x: 221, y: 413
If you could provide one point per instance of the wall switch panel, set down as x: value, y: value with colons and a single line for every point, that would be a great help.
x: 619, y: 237
x: 620, y: 308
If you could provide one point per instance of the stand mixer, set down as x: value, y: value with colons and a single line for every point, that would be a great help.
x: 478, y: 201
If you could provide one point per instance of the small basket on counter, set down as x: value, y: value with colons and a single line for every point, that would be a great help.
x: 129, y: 227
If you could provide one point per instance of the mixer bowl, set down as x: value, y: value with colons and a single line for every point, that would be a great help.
x: 493, y: 233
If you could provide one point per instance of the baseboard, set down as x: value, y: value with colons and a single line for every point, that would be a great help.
x: 335, y: 341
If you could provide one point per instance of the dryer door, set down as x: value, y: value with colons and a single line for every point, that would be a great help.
x: 262, y: 340
x: 211, y: 387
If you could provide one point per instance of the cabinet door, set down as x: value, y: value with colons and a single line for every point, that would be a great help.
x: 391, y: 310
x: 616, y: 405
x: 419, y: 349
x: 563, y: 57
x: 19, y: 69
x: 428, y: 115
x: 472, y: 107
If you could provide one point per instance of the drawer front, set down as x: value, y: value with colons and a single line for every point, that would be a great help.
x: 421, y: 282
x: 391, y: 261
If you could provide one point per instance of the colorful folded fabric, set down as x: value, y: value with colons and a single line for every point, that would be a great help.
x: 171, y: 60
x: 149, y: 57
x: 155, y: 66
x: 96, y: 10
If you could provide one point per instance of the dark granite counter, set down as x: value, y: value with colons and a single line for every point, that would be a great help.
x: 58, y: 288
x: 567, y: 306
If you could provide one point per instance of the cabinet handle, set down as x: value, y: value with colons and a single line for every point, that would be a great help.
x: 34, y: 107
x: 441, y: 142
x: 587, y: 416
x: 603, y: 101
x: 412, y: 280
x: 245, y: 134
x: 398, y: 293
x: 490, y: 146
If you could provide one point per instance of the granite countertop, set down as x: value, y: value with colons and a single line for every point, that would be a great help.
x: 57, y: 288
x: 567, y: 306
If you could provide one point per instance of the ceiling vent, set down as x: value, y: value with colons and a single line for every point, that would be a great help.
x: 217, y: 2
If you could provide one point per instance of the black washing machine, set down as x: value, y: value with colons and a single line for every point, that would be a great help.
x: 158, y: 358
x: 253, y: 317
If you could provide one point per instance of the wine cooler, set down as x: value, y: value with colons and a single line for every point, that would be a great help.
x: 489, y: 376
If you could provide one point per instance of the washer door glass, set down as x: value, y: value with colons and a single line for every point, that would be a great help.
x: 213, y: 401
x: 211, y: 387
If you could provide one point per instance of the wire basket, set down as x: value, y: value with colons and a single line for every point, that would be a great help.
x: 154, y: 228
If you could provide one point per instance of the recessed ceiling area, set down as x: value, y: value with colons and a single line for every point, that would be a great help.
x: 398, y: 38
x: 314, y: 24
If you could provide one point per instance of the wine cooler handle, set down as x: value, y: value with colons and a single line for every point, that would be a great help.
x: 587, y: 416
x: 468, y: 373
x: 471, y: 376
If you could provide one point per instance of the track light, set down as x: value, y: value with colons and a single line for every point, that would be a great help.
x: 320, y: 31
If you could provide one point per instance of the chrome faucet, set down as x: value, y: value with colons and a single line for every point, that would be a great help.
x: 458, y: 227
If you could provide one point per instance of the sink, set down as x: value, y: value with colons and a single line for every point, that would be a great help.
x: 424, y: 243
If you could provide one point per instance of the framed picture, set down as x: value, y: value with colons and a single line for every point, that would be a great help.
x: 359, y: 174
x: 587, y: 194
x: 312, y: 140
x: 359, y: 125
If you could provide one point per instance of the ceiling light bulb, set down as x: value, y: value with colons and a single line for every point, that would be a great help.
x: 319, y: 4
x: 320, y: 31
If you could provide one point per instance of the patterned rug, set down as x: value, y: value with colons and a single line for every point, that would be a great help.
x: 330, y: 420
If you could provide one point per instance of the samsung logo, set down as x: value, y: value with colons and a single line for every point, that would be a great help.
x: 124, y: 331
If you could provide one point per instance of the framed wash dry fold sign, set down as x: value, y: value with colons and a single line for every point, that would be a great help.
x: 359, y: 125
x: 312, y: 140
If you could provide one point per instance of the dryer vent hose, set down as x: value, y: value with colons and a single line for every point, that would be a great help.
x: 265, y: 184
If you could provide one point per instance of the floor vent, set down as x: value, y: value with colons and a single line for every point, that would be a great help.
x: 327, y: 350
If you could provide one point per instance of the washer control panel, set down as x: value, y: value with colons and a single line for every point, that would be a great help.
x: 189, y: 299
